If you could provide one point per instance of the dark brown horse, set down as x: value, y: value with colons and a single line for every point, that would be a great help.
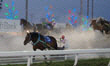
x: 96, y: 26
x: 101, y: 25
x: 26, y: 25
x: 105, y: 24
x: 41, y: 42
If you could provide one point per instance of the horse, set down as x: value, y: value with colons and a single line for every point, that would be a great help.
x: 96, y: 26
x: 26, y: 25
x: 101, y: 25
x: 44, y: 29
x: 41, y: 42
x: 105, y: 24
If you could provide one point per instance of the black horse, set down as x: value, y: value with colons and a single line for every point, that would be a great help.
x: 41, y: 42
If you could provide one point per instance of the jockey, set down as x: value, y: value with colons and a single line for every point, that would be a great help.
x: 53, y: 22
x: 49, y: 24
x: 63, y: 40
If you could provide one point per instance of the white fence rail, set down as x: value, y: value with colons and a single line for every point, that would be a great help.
x: 30, y: 54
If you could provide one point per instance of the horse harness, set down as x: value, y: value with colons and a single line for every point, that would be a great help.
x: 44, y: 43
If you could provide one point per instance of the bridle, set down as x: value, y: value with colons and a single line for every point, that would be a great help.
x: 30, y: 36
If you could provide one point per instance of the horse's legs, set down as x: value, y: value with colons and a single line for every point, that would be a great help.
x: 101, y: 31
x: 45, y: 57
x: 34, y: 49
x: 46, y: 62
x: 34, y: 56
x: 106, y: 31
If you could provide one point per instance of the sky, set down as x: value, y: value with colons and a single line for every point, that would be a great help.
x: 60, y: 9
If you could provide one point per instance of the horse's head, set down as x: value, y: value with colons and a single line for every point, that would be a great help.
x: 93, y: 22
x: 23, y: 21
x: 27, y: 38
x: 31, y: 36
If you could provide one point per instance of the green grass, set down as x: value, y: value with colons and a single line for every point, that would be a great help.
x: 89, y: 62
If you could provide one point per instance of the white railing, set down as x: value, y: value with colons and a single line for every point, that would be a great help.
x: 75, y: 52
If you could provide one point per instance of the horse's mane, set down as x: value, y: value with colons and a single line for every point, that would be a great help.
x: 35, y: 34
x: 25, y: 22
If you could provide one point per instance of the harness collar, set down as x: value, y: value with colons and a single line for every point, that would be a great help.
x: 37, y: 40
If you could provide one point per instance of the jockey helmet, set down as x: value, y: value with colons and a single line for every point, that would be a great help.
x: 63, y: 37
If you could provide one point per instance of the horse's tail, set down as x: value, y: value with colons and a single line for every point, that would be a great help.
x: 54, y: 42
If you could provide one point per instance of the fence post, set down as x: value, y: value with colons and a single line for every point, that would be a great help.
x: 76, y: 60
x: 109, y: 63
x: 65, y: 57
x: 29, y: 61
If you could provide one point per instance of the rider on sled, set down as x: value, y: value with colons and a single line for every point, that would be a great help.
x: 49, y: 24
x: 64, y: 41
